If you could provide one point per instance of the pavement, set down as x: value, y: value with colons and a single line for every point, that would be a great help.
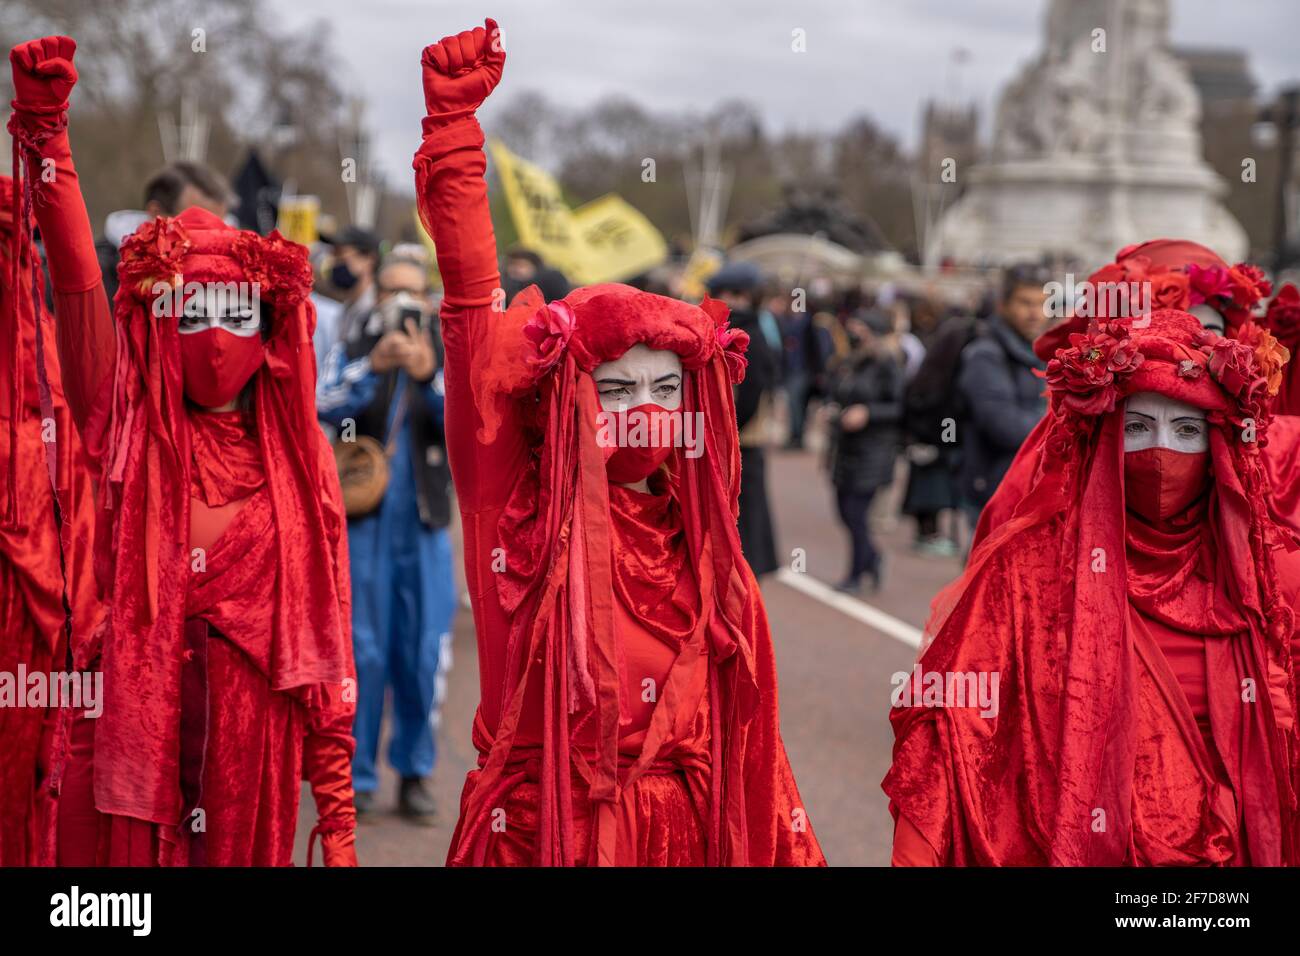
x: 835, y: 656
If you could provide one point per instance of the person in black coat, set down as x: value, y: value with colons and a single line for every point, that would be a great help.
x: 866, y: 392
x: 1001, y: 391
x: 737, y: 284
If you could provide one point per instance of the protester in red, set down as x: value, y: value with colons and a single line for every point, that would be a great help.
x: 1175, y: 274
x: 33, y: 636
x: 629, y: 710
x: 1137, y: 613
x: 219, y: 549
x: 1282, y: 318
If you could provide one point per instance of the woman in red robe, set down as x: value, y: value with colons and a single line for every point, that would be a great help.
x: 33, y: 635
x: 628, y: 712
x: 220, y: 552
x: 1146, y: 700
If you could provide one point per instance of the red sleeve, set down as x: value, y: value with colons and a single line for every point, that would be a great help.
x: 327, y: 767
x: 85, y: 322
x: 452, y: 197
x: 910, y: 847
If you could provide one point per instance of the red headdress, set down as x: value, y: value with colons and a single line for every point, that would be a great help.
x: 142, y: 551
x: 558, y: 587
x: 1173, y: 267
x: 1082, y: 764
x: 1181, y: 274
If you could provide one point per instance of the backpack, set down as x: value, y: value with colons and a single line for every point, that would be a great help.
x: 932, y: 395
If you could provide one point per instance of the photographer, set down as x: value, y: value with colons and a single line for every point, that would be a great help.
x: 382, y: 388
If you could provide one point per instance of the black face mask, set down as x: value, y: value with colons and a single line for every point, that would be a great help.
x: 341, y: 277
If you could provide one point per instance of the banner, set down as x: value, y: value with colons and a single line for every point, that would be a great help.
x: 297, y: 219
x: 618, y: 241
x: 607, y: 240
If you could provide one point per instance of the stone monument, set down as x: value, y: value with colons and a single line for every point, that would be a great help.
x: 1095, y: 146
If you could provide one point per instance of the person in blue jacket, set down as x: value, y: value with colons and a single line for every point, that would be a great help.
x: 382, y: 379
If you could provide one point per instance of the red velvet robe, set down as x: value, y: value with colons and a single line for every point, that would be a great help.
x: 253, y: 740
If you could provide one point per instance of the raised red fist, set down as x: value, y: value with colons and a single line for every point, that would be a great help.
x: 460, y: 71
x: 43, y: 72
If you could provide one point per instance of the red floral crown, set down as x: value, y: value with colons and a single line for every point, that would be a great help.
x: 158, y: 250
x: 1090, y: 376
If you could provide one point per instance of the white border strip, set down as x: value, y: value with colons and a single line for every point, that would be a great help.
x: 854, y: 608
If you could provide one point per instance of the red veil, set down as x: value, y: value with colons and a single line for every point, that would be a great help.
x: 142, y: 549
x: 559, y: 588
x: 1088, y: 760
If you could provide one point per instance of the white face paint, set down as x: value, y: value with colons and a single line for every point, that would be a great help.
x: 640, y: 376
x: 1209, y: 317
x: 1152, y: 420
x: 219, y: 305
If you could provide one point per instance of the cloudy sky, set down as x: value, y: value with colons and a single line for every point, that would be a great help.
x: 882, y: 57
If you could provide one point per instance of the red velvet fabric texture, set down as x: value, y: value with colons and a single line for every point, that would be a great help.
x: 552, y: 625
x: 1092, y: 725
x: 31, y: 584
x: 128, y: 406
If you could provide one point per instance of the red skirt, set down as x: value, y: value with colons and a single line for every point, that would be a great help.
x: 252, y: 767
x: 669, y: 831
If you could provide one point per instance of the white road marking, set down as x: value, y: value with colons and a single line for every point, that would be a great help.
x: 853, y: 607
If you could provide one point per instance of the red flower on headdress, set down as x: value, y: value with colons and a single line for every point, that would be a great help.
x: 1283, y: 315
x: 1251, y: 282
x: 153, y: 252
x: 1234, y: 366
x: 1169, y: 290
x: 1233, y: 292
x: 1086, y: 375
x: 734, y: 343
x: 278, y: 266
x: 1208, y: 284
x: 1270, y: 354
x: 549, y: 330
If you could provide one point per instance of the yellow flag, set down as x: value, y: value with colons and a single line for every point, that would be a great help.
x: 297, y: 218
x: 606, y: 240
x: 619, y: 242
x: 542, y: 219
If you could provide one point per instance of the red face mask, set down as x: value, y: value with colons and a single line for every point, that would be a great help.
x: 636, y: 441
x: 216, y: 364
x: 1160, y: 483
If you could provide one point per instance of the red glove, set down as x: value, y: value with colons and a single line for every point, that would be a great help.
x: 327, y: 766
x: 43, y: 74
x: 460, y: 72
